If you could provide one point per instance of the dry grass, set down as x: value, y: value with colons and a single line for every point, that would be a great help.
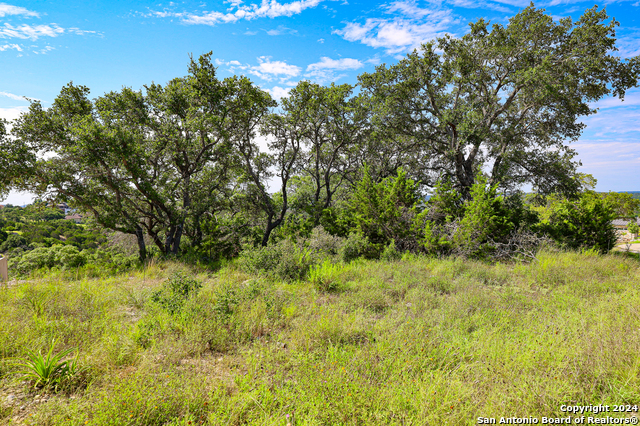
x: 418, y: 341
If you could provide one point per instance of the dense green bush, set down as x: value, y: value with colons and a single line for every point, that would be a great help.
x: 585, y: 222
x: 13, y: 241
x: 383, y: 212
x: 49, y: 257
x: 478, y: 226
x: 355, y: 245
x: 286, y: 260
x: 176, y: 291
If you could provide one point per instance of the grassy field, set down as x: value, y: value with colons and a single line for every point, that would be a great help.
x: 414, y: 342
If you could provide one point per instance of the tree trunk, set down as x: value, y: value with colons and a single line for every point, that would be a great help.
x: 142, y: 248
x: 168, y: 240
x: 270, y: 227
x: 176, y: 238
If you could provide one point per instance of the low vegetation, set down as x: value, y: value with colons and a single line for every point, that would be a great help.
x: 416, y: 340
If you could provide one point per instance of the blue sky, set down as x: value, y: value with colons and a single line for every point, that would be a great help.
x: 110, y: 44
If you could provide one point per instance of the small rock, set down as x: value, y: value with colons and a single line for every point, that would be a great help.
x: 10, y: 398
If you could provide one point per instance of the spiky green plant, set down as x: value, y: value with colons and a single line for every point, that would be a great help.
x: 51, y: 369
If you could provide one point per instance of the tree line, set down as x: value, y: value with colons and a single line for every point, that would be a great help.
x: 207, y: 166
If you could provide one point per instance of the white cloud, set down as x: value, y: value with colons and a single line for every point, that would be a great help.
x: 407, y: 8
x: 414, y: 27
x: 267, y: 69
x: 629, y: 45
x: 7, y: 9
x: 44, y: 50
x: 320, y: 40
x: 10, y: 46
x: 474, y: 4
x: 610, y: 145
x: 12, y: 96
x: 266, y: 9
x: 632, y: 98
x: 374, y: 61
x: 324, y: 71
x: 78, y: 31
x: 515, y: 3
x: 12, y: 113
x: 278, y: 92
x: 281, y: 30
x: 336, y: 64
x: 32, y: 32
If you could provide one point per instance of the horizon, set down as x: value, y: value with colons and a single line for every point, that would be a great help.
x: 277, y: 44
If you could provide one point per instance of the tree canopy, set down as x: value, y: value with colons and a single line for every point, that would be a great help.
x: 201, y: 159
x: 506, y: 99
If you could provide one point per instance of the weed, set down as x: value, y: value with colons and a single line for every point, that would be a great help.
x: 50, y: 370
x: 176, y: 291
x: 326, y: 277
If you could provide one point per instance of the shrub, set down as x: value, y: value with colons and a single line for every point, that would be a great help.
x: 58, y: 255
x: 390, y: 253
x: 485, y: 226
x: 326, y: 276
x: 295, y: 261
x: 485, y: 220
x: 176, y: 291
x: 285, y: 259
x: 255, y: 259
x: 582, y: 223
x: 323, y: 243
x: 355, y: 246
x: 13, y: 241
x: 633, y: 227
x: 384, y: 211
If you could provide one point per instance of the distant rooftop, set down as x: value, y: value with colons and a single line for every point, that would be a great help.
x: 623, y: 222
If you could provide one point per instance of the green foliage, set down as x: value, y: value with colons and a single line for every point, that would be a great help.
x: 446, y: 204
x: 285, y: 259
x: 582, y: 223
x: 58, y: 255
x: 321, y: 243
x: 383, y: 212
x: 326, y: 276
x: 633, y: 227
x: 13, y: 241
x: 624, y: 205
x: 50, y: 370
x: 175, y: 292
x: 477, y: 226
x: 485, y: 221
x: 442, y: 98
x: 391, y: 253
x: 355, y: 245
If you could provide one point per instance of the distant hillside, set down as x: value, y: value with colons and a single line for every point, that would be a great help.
x: 636, y: 194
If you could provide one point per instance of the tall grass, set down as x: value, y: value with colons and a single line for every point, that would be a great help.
x: 414, y: 341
